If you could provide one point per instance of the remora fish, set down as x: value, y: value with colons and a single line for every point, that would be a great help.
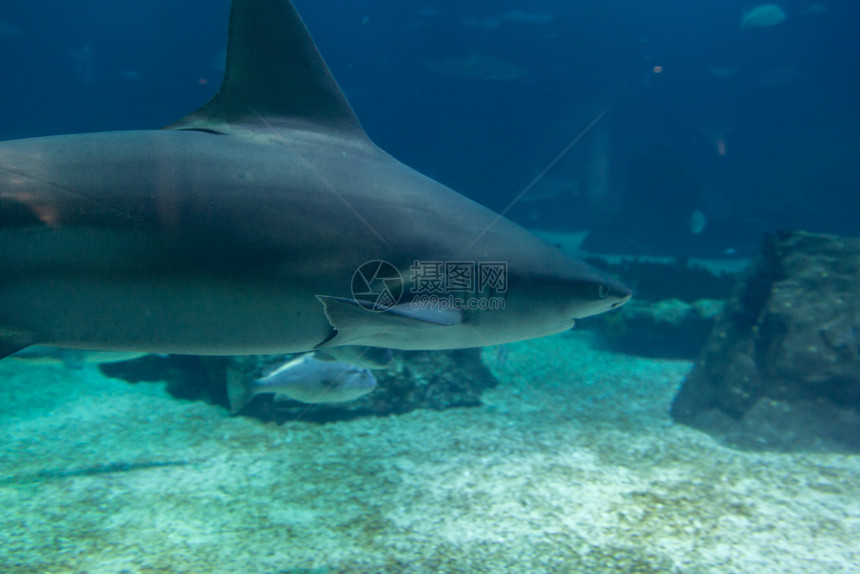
x: 239, y: 228
x: 306, y: 379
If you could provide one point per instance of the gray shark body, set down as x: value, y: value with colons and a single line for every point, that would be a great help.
x: 238, y: 229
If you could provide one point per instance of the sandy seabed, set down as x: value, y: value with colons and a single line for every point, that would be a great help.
x: 572, y: 465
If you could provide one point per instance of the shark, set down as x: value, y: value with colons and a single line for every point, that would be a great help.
x: 260, y: 224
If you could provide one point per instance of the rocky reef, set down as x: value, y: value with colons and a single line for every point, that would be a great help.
x: 781, y: 368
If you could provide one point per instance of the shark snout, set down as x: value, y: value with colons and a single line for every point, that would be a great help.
x: 617, y: 293
x: 610, y: 294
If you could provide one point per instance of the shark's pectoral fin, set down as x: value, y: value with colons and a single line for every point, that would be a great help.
x: 356, y: 323
x: 13, y: 340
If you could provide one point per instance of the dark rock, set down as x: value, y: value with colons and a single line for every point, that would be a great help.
x: 187, y: 377
x: 413, y: 380
x: 785, y: 352
x: 669, y: 329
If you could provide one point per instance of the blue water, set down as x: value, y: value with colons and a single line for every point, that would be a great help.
x: 660, y: 127
x: 755, y: 128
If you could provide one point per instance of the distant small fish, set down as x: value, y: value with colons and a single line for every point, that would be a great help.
x: 698, y: 222
x: 478, y: 67
x: 763, y: 16
x: 130, y: 75
x: 814, y: 10
x: 528, y: 17
x: 780, y: 77
x: 720, y: 72
x: 516, y: 16
x: 306, y: 379
x: 482, y: 23
x: 84, y: 63
x: 9, y: 30
x: 73, y: 358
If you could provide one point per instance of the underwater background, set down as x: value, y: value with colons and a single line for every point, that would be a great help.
x: 682, y: 131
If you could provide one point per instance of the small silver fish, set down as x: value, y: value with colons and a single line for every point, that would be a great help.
x: 763, y: 16
x: 698, y: 222
x: 306, y: 379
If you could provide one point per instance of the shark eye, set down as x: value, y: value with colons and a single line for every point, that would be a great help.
x: 603, y: 291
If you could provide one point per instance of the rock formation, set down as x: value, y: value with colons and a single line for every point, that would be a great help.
x: 781, y: 368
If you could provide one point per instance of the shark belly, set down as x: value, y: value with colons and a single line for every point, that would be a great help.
x: 98, y: 288
x: 180, y: 315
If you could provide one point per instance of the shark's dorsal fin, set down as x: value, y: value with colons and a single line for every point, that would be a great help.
x: 275, y: 78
